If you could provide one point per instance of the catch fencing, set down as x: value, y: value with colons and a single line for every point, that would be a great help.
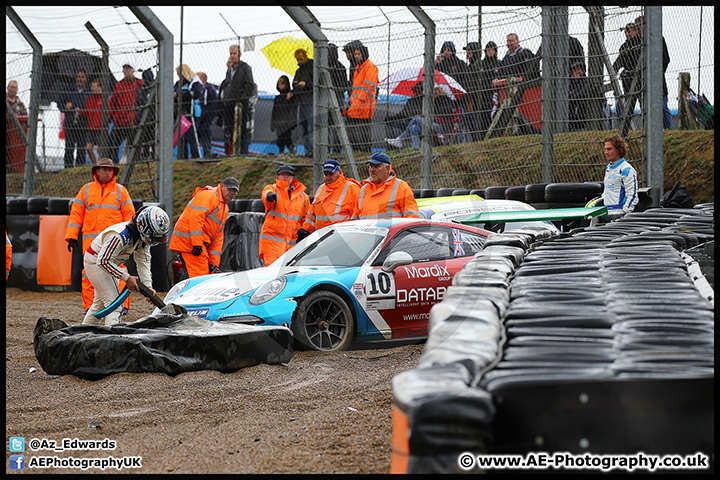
x: 538, y: 132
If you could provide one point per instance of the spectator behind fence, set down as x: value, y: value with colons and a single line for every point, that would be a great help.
x: 123, y: 111
x: 518, y: 62
x: 362, y: 101
x: 17, y: 106
x: 489, y: 69
x: 190, y: 88
x: 284, y: 116
x: 578, y: 97
x: 445, y: 110
x: 147, y: 143
x: 349, y: 50
x: 302, y: 92
x: 208, y: 113
x: 667, y: 116
x: 237, y: 91
x: 448, y: 63
x: 474, y: 89
x: 411, y: 108
x: 626, y: 62
x: 75, y: 124
x: 338, y: 77
x: 92, y: 112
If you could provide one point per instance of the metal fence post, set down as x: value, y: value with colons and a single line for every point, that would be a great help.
x: 653, y: 108
x: 30, y: 161
x: 164, y: 86
x: 426, y: 145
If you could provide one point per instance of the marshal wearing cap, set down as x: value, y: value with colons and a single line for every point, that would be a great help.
x: 285, y: 168
x: 378, y: 158
x: 331, y: 166
x: 232, y: 183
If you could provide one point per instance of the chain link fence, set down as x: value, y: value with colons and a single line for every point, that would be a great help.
x: 483, y: 133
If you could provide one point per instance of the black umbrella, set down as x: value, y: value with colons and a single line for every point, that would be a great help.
x: 60, y: 68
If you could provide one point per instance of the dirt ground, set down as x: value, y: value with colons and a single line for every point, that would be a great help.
x: 319, y: 413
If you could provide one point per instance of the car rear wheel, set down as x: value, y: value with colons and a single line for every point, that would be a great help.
x: 324, y: 322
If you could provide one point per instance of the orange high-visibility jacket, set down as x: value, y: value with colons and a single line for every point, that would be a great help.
x: 332, y: 203
x: 97, y: 207
x: 392, y: 198
x: 283, y: 218
x: 362, y: 99
x: 8, y: 255
x: 202, y: 223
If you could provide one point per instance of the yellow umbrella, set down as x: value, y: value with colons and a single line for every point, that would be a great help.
x: 281, y: 52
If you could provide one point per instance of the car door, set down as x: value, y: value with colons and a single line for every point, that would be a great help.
x: 403, y: 297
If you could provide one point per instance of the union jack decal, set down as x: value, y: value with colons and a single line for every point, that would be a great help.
x: 458, y: 246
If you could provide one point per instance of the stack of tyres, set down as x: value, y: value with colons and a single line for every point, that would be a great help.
x: 606, y: 345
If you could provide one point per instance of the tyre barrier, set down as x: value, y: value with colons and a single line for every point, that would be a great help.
x: 40, y: 261
x: 540, y: 342
x: 495, y: 192
x: 515, y: 193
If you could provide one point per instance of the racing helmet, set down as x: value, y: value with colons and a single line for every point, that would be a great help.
x: 153, y: 224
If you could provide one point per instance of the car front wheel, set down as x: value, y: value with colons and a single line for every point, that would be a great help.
x: 323, y: 321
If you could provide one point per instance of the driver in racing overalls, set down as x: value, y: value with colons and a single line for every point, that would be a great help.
x: 112, y: 248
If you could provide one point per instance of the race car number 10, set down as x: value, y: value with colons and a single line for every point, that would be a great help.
x: 380, y: 284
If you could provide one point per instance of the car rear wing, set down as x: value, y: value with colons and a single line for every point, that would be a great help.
x: 536, y: 215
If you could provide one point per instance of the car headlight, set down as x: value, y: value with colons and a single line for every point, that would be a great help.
x: 268, y: 291
x: 177, y: 288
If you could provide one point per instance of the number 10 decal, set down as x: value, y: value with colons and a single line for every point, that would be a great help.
x: 380, y: 284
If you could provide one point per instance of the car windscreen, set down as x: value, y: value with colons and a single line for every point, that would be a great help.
x: 336, y: 248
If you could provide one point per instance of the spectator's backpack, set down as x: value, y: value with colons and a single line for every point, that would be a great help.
x: 703, y: 110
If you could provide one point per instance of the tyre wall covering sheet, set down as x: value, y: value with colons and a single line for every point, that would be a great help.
x: 170, y: 342
x: 23, y: 232
x: 242, y: 241
x: 603, y: 313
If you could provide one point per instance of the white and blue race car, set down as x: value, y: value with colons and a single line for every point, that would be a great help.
x: 364, y: 281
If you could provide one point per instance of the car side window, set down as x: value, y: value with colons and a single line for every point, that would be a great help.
x: 424, y: 244
x: 466, y: 243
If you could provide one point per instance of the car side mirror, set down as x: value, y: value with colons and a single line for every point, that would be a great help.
x: 395, y: 260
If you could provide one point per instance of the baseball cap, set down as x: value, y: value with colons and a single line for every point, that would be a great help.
x: 232, y: 182
x: 331, y: 166
x: 128, y: 63
x: 378, y: 158
x: 285, y: 168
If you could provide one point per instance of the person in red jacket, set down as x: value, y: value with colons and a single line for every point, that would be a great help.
x: 123, y: 114
x: 199, y: 232
x: 93, y: 113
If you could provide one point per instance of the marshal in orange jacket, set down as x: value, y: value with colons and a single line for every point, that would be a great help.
x: 392, y: 198
x: 202, y: 224
x: 283, y: 218
x: 95, y: 208
x: 332, y: 203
